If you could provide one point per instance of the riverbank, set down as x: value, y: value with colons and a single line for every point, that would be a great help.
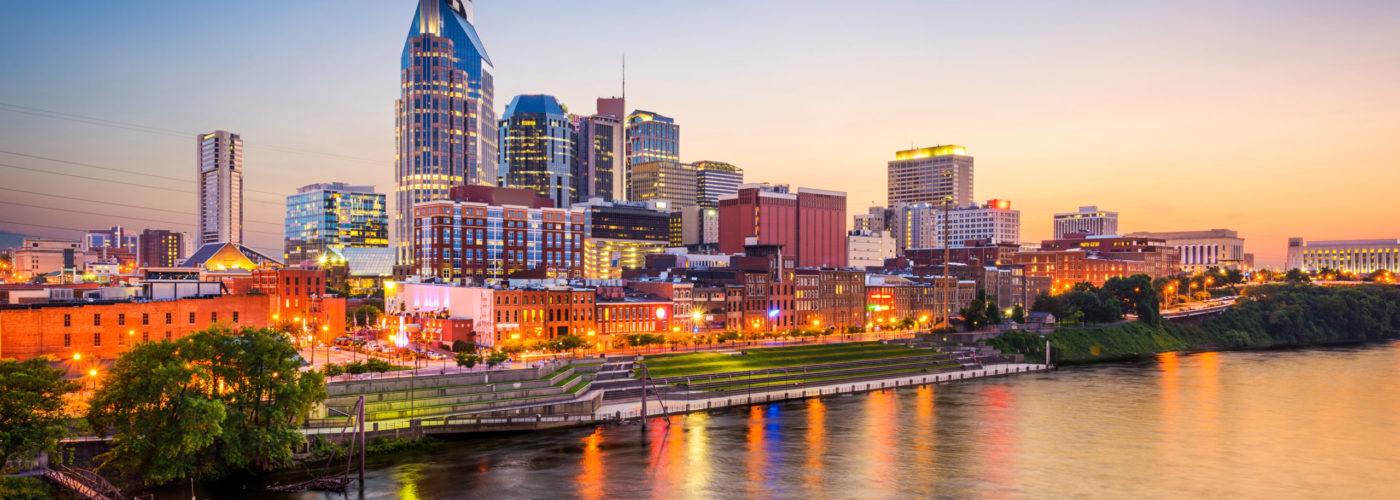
x: 1267, y: 317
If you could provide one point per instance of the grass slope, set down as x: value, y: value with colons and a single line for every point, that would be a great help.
x: 704, y: 363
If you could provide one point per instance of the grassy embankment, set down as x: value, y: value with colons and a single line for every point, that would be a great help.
x: 1270, y: 316
x: 699, y: 364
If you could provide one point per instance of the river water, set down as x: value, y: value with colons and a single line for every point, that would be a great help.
x: 1315, y: 423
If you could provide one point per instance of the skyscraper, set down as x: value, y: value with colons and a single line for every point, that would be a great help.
x: 445, y: 125
x: 333, y: 215
x: 160, y: 248
x: 537, y: 148
x: 668, y: 181
x: 600, y: 171
x: 651, y: 137
x: 934, y: 175
x: 714, y: 179
x: 220, y: 181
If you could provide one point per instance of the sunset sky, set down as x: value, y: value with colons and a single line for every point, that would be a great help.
x: 1275, y: 119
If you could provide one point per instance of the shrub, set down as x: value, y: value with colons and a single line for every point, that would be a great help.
x: 332, y: 369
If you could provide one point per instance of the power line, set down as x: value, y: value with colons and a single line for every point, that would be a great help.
x: 74, y: 198
x: 76, y: 176
x: 124, y: 171
x: 83, y: 212
x: 91, y: 120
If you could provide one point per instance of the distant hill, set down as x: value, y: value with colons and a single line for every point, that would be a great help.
x: 11, y: 240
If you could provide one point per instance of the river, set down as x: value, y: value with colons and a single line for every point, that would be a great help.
x: 1313, y: 423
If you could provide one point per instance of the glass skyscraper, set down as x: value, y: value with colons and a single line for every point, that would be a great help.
x: 333, y: 215
x: 538, y: 141
x: 651, y: 137
x: 445, y: 130
x: 714, y: 179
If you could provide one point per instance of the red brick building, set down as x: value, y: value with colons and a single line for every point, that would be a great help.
x: 809, y: 224
x: 483, y: 233
x: 972, y: 253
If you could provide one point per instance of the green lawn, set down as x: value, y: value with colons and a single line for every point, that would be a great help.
x: 757, y: 384
x: 704, y: 363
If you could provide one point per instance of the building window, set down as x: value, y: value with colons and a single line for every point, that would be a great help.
x: 97, y: 339
x: 97, y: 320
x: 235, y: 317
x: 145, y: 319
x: 145, y: 336
x: 67, y: 340
x: 121, y: 319
x: 213, y: 317
x: 67, y: 321
x: 168, y: 318
x: 167, y: 335
x: 191, y: 318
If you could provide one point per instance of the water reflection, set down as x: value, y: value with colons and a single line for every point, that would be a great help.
x: 1287, y: 424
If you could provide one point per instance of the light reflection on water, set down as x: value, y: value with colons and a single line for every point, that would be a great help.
x: 1284, y: 424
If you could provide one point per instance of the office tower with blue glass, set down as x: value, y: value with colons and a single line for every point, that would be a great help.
x: 445, y: 121
x: 333, y: 215
x: 537, y: 148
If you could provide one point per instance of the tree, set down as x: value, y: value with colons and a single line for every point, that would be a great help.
x: 369, y: 313
x: 31, y: 408
x: 468, y: 359
x: 569, y: 343
x: 332, y: 369
x: 974, y: 315
x: 1296, y: 276
x: 460, y: 346
x: 1018, y: 314
x: 496, y: 358
x: 205, y: 404
x: 993, y: 313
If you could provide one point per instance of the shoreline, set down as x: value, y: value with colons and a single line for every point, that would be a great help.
x: 1203, y: 349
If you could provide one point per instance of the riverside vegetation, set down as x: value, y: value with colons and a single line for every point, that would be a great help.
x: 1266, y: 316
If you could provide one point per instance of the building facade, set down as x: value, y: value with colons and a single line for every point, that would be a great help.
x: 809, y: 224
x: 866, y: 248
x: 39, y: 256
x: 714, y: 179
x: 445, y: 118
x: 537, y: 148
x: 1361, y: 257
x: 1200, y: 250
x: 936, y: 175
x: 668, y: 181
x: 475, y: 239
x: 1089, y: 221
x: 333, y: 215
x: 116, y: 237
x: 993, y: 222
x: 160, y: 248
x: 651, y: 137
x: 220, y: 183
x: 600, y: 158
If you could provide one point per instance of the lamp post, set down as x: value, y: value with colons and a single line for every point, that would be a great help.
x: 643, y: 367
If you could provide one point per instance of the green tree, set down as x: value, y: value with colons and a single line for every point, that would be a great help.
x: 1018, y: 314
x: 368, y: 313
x: 463, y: 346
x: 208, y: 403
x: 975, y: 314
x: 468, y: 359
x: 31, y: 408
x: 993, y: 313
x: 496, y: 358
x: 332, y: 369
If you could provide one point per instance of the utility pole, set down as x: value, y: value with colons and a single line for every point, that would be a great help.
x: 644, y: 390
x: 947, y: 255
x: 361, y: 419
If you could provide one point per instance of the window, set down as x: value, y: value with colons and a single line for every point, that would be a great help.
x: 67, y: 340
x: 97, y: 339
x: 213, y: 317
x: 168, y: 317
x: 191, y: 318
x: 145, y: 336
x: 121, y: 319
x: 167, y: 335
x: 235, y: 317
x: 145, y: 318
x: 96, y: 320
x: 67, y: 321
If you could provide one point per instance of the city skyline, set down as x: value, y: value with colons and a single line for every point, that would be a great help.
x: 1083, y: 106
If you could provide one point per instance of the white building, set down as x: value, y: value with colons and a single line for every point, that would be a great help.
x: 1089, y: 220
x: 220, y: 176
x: 869, y: 248
x: 921, y: 225
x: 1200, y: 250
x: 1355, y: 256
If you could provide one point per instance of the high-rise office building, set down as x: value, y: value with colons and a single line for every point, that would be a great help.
x: 810, y: 223
x: 935, y: 175
x: 220, y: 181
x: 334, y: 215
x: 621, y: 234
x: 116, y: 237
x: 160, y: 248
x: 600, y: 158
x: 445, y: 126
x: 667, y: 181
x: 483, y: 234
x: 714, y: 179
x: 651, y: 137
x: 995, y: 222
x: 1089, y: 221
x: 537, y: 148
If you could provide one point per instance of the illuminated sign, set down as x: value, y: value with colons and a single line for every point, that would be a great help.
x: 661, y: 313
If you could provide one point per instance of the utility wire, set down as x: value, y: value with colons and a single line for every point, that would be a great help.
x: 90, y: 120
x: 74, y: 198
x: 124, y: 171
x: 83, y: 212
x: 76, y: 176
